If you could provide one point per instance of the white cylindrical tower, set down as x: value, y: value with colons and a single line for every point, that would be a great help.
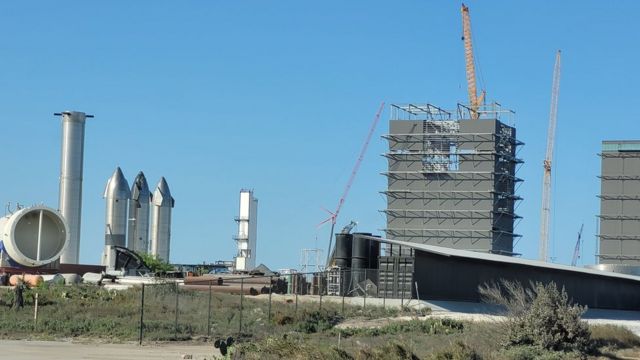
x: 138, y: 233
x: 161, y: 206
x: 70, y: 202
x: 245, y: 259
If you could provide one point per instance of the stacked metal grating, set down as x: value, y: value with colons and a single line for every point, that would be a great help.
x: 620, y: 207
x: 452, y: 178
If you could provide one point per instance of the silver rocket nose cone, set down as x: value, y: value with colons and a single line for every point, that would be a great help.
x: 162, y: 195
x: 117, y: 186
x: 140, y: 189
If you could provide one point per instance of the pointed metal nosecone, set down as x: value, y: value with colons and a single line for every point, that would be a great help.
x: 117, y: 187
x: 140, y: 189
x: 162, y: 195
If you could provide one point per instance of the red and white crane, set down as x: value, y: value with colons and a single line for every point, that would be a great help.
x: 546, y: 180
x: 334, y: 215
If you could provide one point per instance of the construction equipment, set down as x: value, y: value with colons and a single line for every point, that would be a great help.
x: 576, y: 251
x: 474, y: 100
x: 347, y: 229
x: 546, y: 181
x: 334, y: 215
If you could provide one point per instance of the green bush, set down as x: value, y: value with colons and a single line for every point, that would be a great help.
x: 541, y: 316
x: 428, y: 327
x: 392, y: 350
x: 156, y: 264
x: 529, y: 352
x: 318, y: 321
x: 457, y: 351
x: 613, y: 337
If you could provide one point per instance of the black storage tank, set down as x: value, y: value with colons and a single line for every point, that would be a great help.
x: 343, y: 250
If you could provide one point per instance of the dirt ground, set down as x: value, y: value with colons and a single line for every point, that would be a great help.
x: 59, y: 350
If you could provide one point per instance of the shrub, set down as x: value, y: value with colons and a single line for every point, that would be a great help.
x: 389, y: 351
x: 282, y: 319
x: 534, y: 353
x: 429, y: 326
x: 156, y: 264
x: 318, y: 321
x: 540, y: 316
x: 614, y: 337
x: 457, y: 351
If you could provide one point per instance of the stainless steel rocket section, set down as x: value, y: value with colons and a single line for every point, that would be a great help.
x: 116, y: 194
x: 138, y: 232
x: 161, y: 206
x: 70, y: 202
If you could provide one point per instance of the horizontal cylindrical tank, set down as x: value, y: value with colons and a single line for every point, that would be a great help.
x: 34, y: 236
x: 343, y: 250
x: 29, y: 280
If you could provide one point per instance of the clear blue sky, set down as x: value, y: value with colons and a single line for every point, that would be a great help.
x: 278, y: 97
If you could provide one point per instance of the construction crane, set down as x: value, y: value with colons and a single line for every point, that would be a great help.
x: 333, y: 216
x: 546, y: 181
x: 576, y: 251
x: 474, y: 100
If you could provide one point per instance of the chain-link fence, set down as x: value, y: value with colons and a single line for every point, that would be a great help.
x: 206, y: 307
x: 240, y: 305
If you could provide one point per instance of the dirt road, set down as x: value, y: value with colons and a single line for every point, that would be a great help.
x: 59, y: 350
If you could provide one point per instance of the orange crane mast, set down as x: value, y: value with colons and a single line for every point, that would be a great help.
x: 474, y: 100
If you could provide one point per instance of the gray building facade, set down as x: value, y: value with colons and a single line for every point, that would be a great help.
x: 619, y: 234
x: 451, y: 178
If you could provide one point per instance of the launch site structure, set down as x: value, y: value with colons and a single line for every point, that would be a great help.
x: 138, y: 231
x: 71, y: 169
x: 619, y: 230
x: 452, y: 178
x: 162, y: 204
x: 246, y: 238
x: 451, y: 182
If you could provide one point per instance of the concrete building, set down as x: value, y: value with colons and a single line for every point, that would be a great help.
x: 451, y: 178
x: 619, y: 234
x: 247, y: 220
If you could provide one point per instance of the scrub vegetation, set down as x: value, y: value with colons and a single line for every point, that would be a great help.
x: 540, y: 323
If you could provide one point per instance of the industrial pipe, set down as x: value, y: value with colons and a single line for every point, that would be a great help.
x: 33, y: 236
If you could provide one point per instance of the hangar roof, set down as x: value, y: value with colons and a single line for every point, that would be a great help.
x: 444, y: 251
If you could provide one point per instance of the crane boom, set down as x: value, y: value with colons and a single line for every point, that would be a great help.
x: 546, y: 181
x: 474, y: 101
x: 334, y: 215
x: 576, y: 250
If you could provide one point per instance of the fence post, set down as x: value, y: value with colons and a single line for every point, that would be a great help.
x: 270, y: 289
x: 35, y: 313
x: 209, y: 314
x: 141, y: 315
x: 241, y: 299
x: 320, y: 290
x: 402, y: 285
x: 176, y: 325
x: 296, y: 290
x: 384, y: 292
x: 342, y: 289
x: 364, y: 304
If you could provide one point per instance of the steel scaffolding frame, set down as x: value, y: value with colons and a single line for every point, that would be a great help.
x: 433, y: 155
